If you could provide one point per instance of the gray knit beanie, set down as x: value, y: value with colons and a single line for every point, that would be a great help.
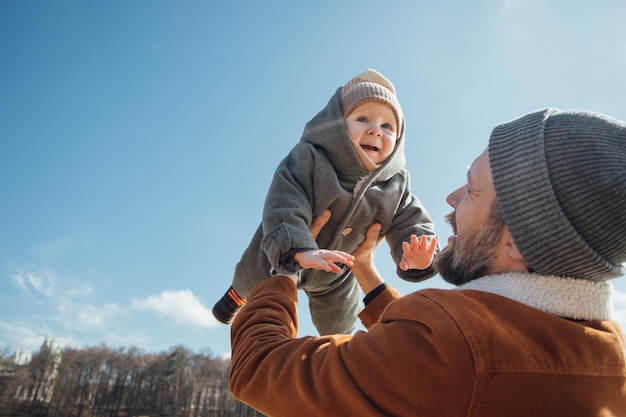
x: 560, y: 180
x: 371, y: 85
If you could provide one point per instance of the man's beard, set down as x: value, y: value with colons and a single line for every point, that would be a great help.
x: 470, y: 257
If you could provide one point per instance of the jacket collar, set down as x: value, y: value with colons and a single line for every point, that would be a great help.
x: 572, y: 298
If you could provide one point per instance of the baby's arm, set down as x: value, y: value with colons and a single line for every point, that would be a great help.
x: 323, y: 259
x: 419, y: 253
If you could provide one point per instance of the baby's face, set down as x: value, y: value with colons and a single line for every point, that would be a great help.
x: 372, y: 125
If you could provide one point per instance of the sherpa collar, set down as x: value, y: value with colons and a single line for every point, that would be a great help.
x: 572, y: 298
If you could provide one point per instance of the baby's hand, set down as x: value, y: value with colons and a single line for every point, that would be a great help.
x: 323, y: 259
x: 419, y: 253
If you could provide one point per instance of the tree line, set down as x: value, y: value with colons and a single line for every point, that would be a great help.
x: 102, y: 382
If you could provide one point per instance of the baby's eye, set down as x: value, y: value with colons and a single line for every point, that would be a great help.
x: 386, y: 126
x: 361, y: 119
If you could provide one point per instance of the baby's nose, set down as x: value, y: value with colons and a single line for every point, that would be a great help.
x: 374, y: 130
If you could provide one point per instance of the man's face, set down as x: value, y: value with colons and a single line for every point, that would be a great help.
x: 477, y: 225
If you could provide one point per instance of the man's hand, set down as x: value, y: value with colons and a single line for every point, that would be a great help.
x: 364, y: 269
x: 364, y: 254
x: 318, y: 223
x: 363, y: 266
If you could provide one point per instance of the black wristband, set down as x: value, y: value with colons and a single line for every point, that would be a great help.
x: 374, y: 293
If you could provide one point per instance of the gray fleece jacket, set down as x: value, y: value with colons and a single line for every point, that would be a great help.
x: 324, y: 171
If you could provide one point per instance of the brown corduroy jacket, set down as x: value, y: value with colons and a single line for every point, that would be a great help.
x: 432, y: 353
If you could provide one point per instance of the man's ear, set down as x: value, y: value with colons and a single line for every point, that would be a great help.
x: 511, y: 248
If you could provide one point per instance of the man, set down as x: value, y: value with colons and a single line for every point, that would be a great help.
x: 539, y: 228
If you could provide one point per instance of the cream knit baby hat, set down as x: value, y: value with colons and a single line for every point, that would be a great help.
x: 371, y: 86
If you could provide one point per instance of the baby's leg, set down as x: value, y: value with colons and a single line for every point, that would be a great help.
x: 335, y: 312
x: 252, y: 269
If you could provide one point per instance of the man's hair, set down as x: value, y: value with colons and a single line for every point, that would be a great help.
x: 496, y: 219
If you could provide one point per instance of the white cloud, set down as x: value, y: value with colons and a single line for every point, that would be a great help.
x: 62, y: 304
x: 35, y: 281
x: 20, y: 281
x: 28, y: 336
x: 22, y: 335
x: 39, y: 283
x: 65, y: 309
x: 47, y: 284
x: 181, y: 306
x: 79, y: 316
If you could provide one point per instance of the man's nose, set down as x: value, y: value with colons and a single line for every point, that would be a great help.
x: 456, y: 196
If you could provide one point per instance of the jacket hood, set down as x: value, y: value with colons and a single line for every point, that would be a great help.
x: 327, y: 130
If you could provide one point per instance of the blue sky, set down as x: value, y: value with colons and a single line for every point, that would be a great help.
x: 138, y: 138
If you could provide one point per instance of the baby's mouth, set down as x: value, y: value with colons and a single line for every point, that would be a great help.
x: 369, y: 148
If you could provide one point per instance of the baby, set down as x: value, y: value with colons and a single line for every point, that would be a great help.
x: 350, y: 160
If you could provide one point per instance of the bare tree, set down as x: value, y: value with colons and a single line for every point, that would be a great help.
x: 101, y: 382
